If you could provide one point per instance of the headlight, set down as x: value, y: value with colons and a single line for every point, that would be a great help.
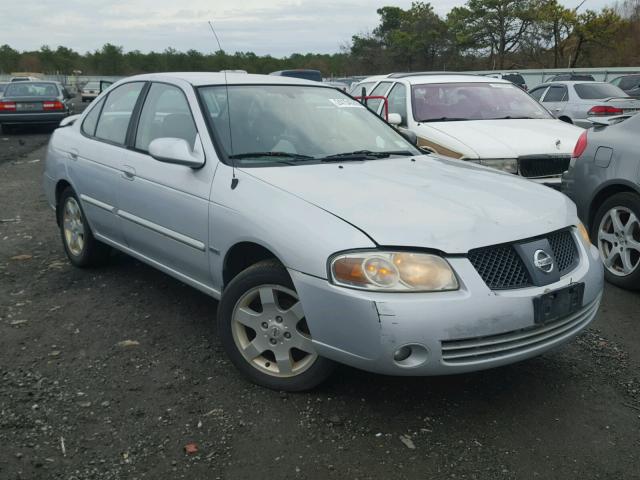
x: 393, y: 271
x: 509, y: 165
x: 584, y: 234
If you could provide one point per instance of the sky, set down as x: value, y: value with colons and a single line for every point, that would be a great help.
x: 275, y: 27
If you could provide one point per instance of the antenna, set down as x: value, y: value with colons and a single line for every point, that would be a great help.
x: 234, y: 179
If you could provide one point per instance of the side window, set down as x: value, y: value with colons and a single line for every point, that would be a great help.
x: 118, y: 107
x: 91, y: 120
x: 379, y: 91
x: 617, y: 81
x: 556, y: 94
x: 398, y: 101
x: 537, y: 93
x: 165, y: 114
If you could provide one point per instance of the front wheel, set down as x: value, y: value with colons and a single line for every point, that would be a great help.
x: 263, y: 329
x: 616, y: 231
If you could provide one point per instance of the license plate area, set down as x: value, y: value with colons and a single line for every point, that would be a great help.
x: 557, y: 304
x: 28, y: 107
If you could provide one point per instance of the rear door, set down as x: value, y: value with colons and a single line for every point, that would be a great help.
x: 555, y: 100
x: 164, y: 207
x: 95, y: 162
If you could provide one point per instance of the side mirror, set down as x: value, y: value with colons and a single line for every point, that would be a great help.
x: 177, y: 151
x: 409, y: 136
x: 394, y: 119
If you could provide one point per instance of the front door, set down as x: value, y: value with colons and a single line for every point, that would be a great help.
x: 164, y: 208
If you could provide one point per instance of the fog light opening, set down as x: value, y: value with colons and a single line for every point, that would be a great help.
x: 402, y: 353
x: 410, y: 356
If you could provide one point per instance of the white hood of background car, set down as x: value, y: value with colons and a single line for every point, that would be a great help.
x: 502, y: 138
x: 448, y: 205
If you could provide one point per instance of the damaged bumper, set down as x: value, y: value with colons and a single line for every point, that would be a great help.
x: 473, y: 328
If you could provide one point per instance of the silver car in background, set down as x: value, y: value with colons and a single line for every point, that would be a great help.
x: 577, y: 102
x: 326, y: 235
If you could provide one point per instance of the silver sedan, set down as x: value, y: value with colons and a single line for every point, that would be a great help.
x: 582, y: 102
x: 326, y: 235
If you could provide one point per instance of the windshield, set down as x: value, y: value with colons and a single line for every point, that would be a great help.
x: 31, y: 89
x: 473, y: 101
x: 304, y: 123
x: 597, y: 91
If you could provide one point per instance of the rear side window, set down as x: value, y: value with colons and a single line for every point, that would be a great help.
x: 629, y: 82
x: 597, y: 91
x: 537, y: 93
x: 514, y: 78
x: 115, y: 116
x: 556, y: 94
x: 91, y: 120
x: 165, y: 114
x: 379, y: 91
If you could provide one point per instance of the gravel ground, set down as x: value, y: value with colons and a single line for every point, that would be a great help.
x: 111, y: 373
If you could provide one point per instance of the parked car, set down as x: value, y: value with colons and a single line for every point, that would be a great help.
x: 41, y: 103
x: 339, y: 85
x: 630, y: 84
x: 515, y: 78
x: 302, y: 73
x: 90, y: 91
x: 479, y: 119
x: 3, y: 85
x: 571, y: 77
x: 326, y: 235
x: 604, y: 182
x: 578, y: 102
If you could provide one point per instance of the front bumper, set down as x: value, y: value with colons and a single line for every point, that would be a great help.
x: 471, y: 329
x: 33, y: 118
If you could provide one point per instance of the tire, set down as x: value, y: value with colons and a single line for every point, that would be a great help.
x: 269, y: 335
x: 619, y: 242
x: 566, y: 120
x: 81, y: 247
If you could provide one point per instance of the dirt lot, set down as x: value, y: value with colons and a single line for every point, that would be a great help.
x: 108, y: 374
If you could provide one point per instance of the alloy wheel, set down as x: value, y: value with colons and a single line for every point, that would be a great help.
x: 270, y: 331
x: 73, y: 227
x: 619, y: 241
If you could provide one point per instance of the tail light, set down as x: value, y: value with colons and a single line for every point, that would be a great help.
x: 55, y: 105
x: 581, y: 145
x: 7, y: 106
x: 604, y: 111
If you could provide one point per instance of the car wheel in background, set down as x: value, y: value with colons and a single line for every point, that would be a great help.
x: 263, y: 330
x: 79, y: 243
x: 616, y: 232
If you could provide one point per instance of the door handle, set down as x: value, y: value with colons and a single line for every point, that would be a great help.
x: 128, y: 172
x: 73, y: 154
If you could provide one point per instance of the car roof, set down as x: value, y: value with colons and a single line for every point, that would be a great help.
x: 217, y: 78
x: 420, y: 78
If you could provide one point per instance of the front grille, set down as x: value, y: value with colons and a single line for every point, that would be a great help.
x: 543, y: 166
x: 501, y: 267
x: 478, y: 350
x: 564, y: 250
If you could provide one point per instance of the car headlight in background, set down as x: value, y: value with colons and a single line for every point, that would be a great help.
x: 509, y: 165
x: 393, y: 271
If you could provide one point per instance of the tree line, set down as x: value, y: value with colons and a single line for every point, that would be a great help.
x: 481, y: 35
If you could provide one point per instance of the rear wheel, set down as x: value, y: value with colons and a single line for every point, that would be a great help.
x: 616, y: 231
x: 81, y: 247
x: 264, y: 331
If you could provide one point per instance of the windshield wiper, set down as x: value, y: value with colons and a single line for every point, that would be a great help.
x: 445, y: 119
x: 509, y: 117
x: 361, y: 155
x: 295, y: 156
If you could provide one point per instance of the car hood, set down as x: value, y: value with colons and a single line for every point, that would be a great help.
x: 508, y: 138
x: 436, y: 203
